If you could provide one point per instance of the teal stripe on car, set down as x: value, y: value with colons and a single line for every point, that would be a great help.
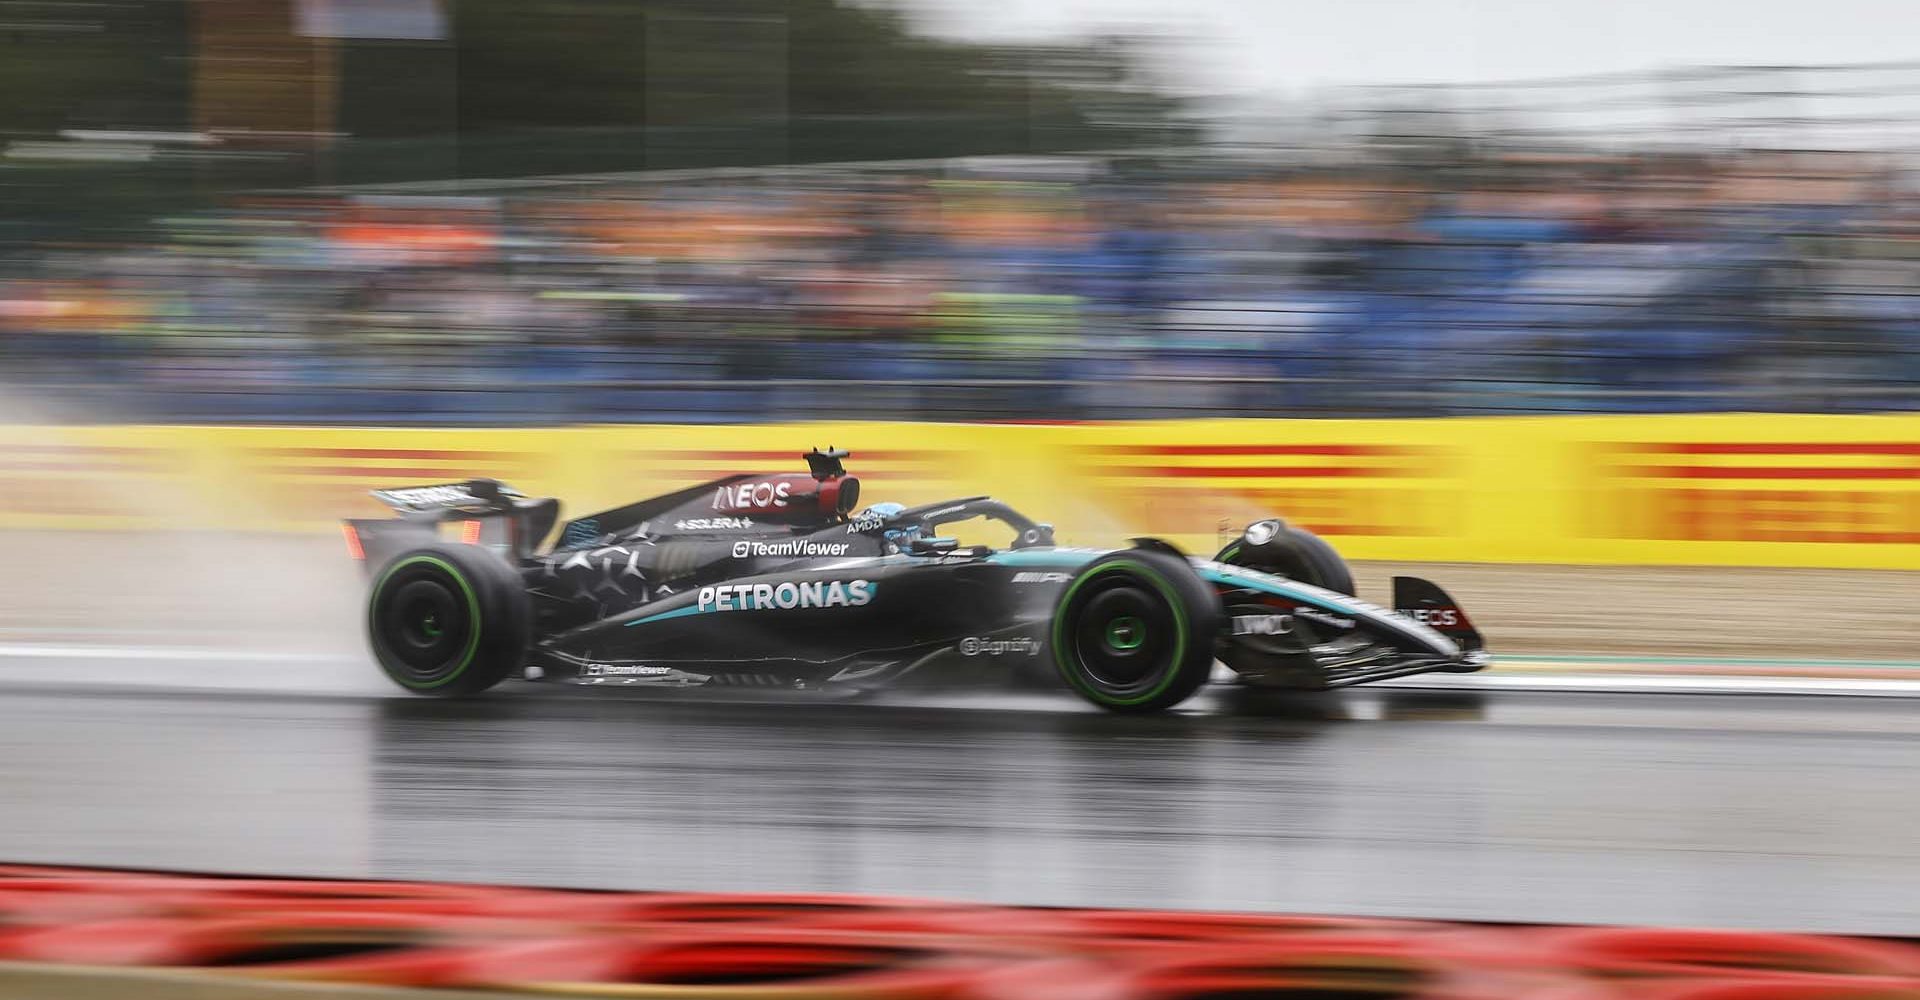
x: 1211, y: 572
x: 1046, y: 558
x: 691, y: 609
x: 1230, y: 576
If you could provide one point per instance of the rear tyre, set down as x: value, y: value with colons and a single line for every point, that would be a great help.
x: 1134, y: 631
x: 1295, y: 553
x: 448, y: 620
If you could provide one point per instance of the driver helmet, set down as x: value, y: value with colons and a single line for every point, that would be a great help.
x: 879, y: 513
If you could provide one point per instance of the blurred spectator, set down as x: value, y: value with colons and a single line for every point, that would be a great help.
x: 1198, y: 284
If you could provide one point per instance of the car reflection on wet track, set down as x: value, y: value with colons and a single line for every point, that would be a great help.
x: 1780, y: 812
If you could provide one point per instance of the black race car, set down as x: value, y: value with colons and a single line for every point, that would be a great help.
x: 785, y: 580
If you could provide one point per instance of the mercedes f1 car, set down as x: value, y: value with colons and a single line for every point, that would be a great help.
x: 785, y: 580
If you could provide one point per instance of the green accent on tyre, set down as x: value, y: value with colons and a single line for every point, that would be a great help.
x: 1180, y: 629
x: 473, y: 616
x: 1125, y: 633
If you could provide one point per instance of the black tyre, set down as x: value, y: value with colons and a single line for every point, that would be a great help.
x: 448, y: 620
x: 1134, y: 631
x: 1295, y: 553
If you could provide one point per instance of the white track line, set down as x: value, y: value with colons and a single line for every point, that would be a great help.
x: 75, y: 651
x: 1660, y: 684
x: 186, y: 669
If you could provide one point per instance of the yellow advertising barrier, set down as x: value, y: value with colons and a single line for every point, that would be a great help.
x: 1735, y: 489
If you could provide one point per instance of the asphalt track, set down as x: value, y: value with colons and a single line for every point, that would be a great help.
x: 1758, y: 810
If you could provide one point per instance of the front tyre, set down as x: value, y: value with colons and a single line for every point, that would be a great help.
x: 448, y: 620
x: 1134, y: 631
x: 1295, y: 553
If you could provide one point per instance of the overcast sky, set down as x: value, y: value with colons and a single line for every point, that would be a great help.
x: 1286, y: 46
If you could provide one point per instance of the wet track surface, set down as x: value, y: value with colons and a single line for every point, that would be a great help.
x: 1738, y: 811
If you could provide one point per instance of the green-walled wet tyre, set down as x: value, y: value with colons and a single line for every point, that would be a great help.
x: 448, y: 620
x: 1134, y: 631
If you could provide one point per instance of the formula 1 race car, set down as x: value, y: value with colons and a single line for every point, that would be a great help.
x: 784, y: 580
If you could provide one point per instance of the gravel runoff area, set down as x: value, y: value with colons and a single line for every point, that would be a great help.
x: 245, y: 590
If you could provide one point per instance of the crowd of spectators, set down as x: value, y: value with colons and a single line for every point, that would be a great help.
x: 1084, y: 287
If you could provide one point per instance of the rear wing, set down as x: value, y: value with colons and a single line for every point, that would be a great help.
x: 447, y: 500
x: 491, y: 513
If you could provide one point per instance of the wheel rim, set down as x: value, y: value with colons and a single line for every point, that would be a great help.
x: 1124, y: 633
x: 421, y: 609
x: 425, y: 622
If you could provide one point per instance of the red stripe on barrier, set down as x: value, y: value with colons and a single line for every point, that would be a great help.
x: 435, y: 454
x: 1654, y: 952
x: 980, y: 924
x: 1060, y: 979
x: 1774, y: 472
x: 1832, y: 988
x: 1152, y: 926
x: 1782, y: 448
x: 799, y: 946
x: 1336, y: 967
x: 1225, y: 450
x: 702, y: 908
x: 352, y: 947
x: 789, y: 455
x: 1261, y: 471
x: 789, y: 963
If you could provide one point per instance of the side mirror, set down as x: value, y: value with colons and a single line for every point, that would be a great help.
x: 1262, y: 532
x: 1039, y: 534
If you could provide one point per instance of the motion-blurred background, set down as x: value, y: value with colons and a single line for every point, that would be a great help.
x: 520, y: 211
x: 1611, y: 308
